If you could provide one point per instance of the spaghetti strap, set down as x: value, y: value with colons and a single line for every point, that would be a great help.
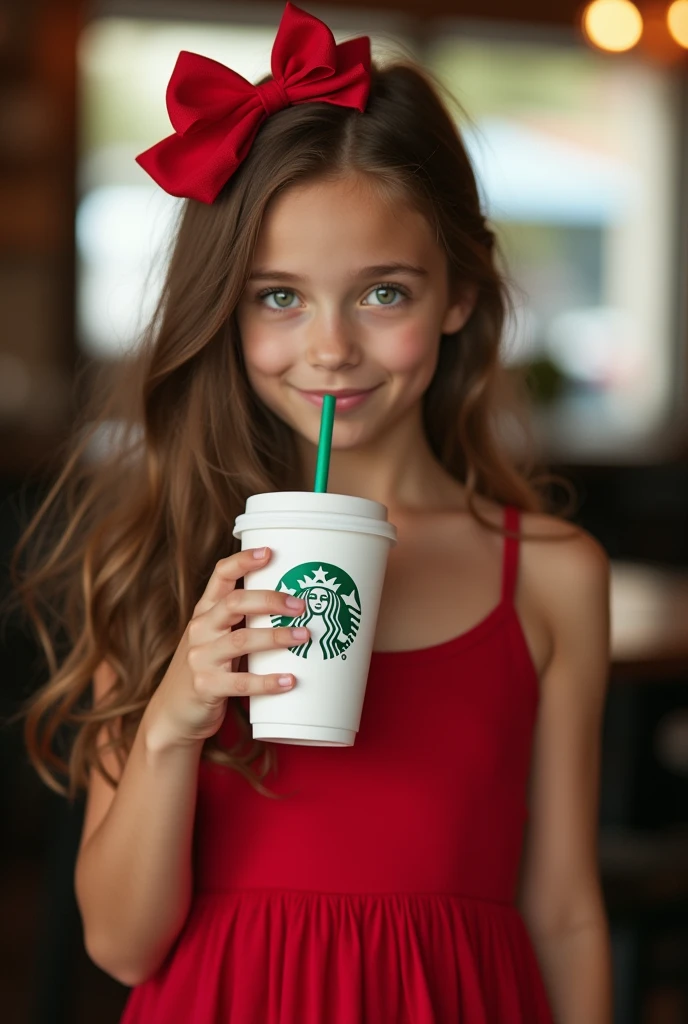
x: 512, y: 518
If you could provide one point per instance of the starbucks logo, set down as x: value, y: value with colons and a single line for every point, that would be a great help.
x: 332, y: 612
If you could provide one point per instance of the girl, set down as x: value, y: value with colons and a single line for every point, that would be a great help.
x: 442, y: 869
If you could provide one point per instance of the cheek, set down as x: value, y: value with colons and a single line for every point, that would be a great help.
x: 264, y: 354
x: 411, y: 348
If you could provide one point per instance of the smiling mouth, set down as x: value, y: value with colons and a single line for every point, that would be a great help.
x: 348, y: 399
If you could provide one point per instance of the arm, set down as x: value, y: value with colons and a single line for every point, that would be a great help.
x: 134, y: 867
x: 133, y: 873
x: 559, y: 893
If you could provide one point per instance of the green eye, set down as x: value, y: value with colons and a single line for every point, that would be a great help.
x: 282, y: 296
x: 387, y: 295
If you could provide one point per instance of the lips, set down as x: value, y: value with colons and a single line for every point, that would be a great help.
x: 343, y: 393
x: 348, y: 398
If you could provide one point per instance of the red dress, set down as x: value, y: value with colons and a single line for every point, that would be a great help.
x: 381, y: 891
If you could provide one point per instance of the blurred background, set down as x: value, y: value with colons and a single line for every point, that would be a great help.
x: 576, y: 118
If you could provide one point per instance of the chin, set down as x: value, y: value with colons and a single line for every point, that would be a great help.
x: 344, y: 435
x: 354, y: 435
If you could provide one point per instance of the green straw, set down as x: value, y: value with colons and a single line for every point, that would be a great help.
x: 322, y: 466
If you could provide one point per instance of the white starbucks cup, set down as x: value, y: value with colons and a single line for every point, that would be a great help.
x: 331, y: 550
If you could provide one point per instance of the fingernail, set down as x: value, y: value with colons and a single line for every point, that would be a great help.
x: 285, y: 681
x: 299, y: 634
x: 294, y: 602
x: 259, y: 552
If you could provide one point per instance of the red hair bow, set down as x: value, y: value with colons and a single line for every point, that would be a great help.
x: 216, y: 113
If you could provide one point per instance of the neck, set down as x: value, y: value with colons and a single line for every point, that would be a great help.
x: 397, y: 469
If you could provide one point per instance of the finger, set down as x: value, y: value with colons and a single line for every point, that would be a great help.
x: 232, y: 608
x: 249, y: 683
x: 223, y: 651
x: 213, y: 687
x: 226, y: 574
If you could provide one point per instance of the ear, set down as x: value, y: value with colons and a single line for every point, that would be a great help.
x: 459, y: 312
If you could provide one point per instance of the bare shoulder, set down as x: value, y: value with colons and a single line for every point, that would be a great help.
x: 556, y: 552
x: 566, y: 573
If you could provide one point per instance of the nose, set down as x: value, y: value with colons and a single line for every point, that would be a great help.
x: 332, y: 344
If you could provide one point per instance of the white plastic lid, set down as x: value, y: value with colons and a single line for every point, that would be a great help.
x: 299, y: 510
x: 310, y: 501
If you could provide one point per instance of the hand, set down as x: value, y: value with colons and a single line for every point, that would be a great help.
x: 190, y: 703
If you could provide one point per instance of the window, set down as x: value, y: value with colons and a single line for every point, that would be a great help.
x: 577, y: 154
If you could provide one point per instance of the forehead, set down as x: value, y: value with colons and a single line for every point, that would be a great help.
x: 341, y: 225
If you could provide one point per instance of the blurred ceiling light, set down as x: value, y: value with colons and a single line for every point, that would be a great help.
x: 614, y: 25
x: 677, y: 20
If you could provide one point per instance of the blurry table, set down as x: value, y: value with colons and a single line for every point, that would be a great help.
x: 643, y: 846
x: 649, y: 622
x: 645, y: 739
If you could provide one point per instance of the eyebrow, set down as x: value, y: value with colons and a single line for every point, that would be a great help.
x: 377, y: 270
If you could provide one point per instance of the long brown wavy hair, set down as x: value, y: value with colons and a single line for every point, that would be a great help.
x: 175, y: 439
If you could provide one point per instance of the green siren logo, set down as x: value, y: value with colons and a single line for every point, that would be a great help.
x: 332, y: 612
